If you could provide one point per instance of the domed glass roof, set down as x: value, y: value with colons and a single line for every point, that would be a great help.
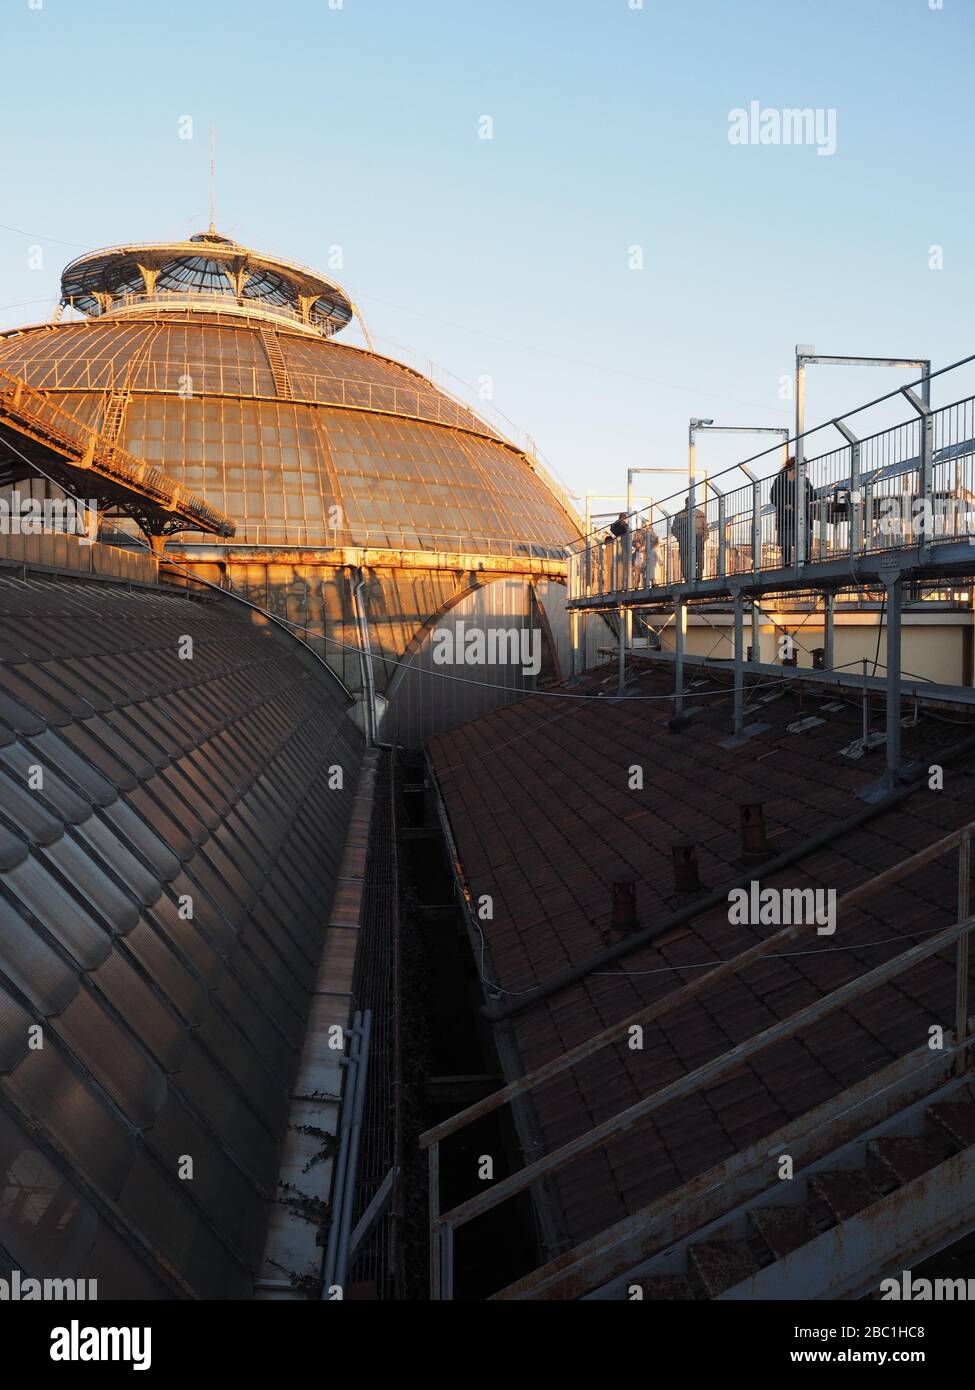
x: 301, y: 440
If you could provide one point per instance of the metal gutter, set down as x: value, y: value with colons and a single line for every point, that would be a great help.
x: 292, y: 1262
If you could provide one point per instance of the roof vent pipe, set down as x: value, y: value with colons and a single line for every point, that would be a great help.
x: 687, y: 879
x: 623, y: 920
x: 754, y: 838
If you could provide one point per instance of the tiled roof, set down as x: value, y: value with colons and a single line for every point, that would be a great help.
x: 544, y: 820
x: 134, y: 785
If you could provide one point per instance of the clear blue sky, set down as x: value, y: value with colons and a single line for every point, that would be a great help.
x: 507, y: 258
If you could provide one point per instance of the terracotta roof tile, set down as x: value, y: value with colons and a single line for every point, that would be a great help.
x: 547, y: 822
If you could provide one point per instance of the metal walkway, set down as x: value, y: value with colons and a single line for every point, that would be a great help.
x: 888, y: 511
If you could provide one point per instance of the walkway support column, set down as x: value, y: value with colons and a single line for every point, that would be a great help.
x: 576, y: 663
x: 894, y: 599
x: 739, y: 655
x: 828, y: 634
x: 756, y: 632
x: 680, y: 610
x: 621, y: 687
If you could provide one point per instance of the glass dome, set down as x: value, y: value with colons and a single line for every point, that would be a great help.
x: 218, y: 364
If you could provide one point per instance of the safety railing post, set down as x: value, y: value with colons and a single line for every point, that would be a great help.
x: 690, y: 542
x: 756, y: 526
x: 446, y: 1262
x: 961, y: 967
x: 801, y: 513
x: 722, y: 540
x: 856, y: 501
x: 926, y: 461
x: 621, y: 684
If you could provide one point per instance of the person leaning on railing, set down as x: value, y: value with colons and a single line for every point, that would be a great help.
x: 612, y: 546
x: 784, y: 495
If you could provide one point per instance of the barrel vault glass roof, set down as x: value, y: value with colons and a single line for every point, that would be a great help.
x: 168, y: 838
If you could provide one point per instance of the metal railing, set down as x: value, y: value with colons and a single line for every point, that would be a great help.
x: 444, y: 1225
x: 219, y: 302
x: 411, y: 538
x: 910, y: 484
x: 216, y: 378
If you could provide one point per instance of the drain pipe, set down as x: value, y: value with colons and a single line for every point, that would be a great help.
x: 638, y: 941
x: 347, y: 1157
x: 355, y: 1136
x: 365, y: 658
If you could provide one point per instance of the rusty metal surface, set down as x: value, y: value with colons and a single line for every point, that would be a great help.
x: 894, y: 1233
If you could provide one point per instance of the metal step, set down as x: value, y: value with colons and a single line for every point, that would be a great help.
x: 956, y: 1118
x: 784, y: 1229
x: 905, y: 1156
x: 845, y: 1193
x: 832, y: 1232
x: 720, y: 1264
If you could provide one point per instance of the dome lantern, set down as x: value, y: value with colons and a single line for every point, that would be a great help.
x: 207, y: 272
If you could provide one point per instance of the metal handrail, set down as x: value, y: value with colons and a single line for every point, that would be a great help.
x: 219, y: 302
x: 443, y: 1225
x: 836, y: 421
x: 365, y: 538
x: 911, y: 483
x: 56, y: 373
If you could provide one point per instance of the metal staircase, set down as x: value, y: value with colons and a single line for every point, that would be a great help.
x: 851, y: 1220
x: 279, y: 369
x: 114, y: 414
